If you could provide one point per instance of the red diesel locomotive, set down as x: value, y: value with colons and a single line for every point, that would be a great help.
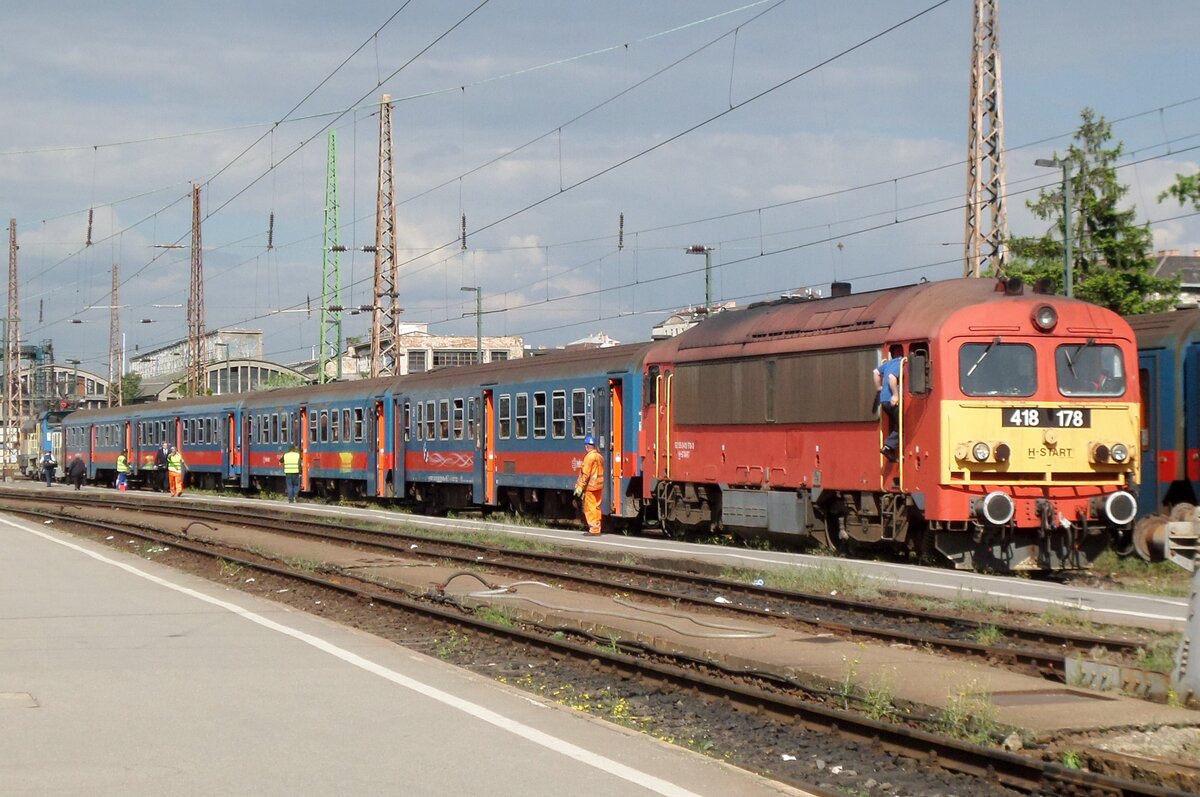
x: 1019, y: 419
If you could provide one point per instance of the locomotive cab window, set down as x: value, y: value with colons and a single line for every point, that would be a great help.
x: 1089, y: 369
x: 995, y: 368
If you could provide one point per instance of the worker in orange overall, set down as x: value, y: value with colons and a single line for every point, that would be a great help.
x: 590, y: 484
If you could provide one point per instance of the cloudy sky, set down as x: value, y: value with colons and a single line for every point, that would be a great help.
x: 804, y: 141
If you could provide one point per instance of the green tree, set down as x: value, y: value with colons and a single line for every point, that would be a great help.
x: 1186, y: 189
x: 1112, y: 261
x: 280, y: 380
x: 131, y: 387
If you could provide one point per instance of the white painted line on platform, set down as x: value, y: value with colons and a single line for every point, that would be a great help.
x: 553, y: 743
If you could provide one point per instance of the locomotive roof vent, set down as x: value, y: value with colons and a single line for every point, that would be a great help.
x: 1010, y: 286
x: 839, y: 289
x: 1044, y: 285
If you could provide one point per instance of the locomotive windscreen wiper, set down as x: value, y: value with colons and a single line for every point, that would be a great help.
x: 1071, y: 362
x: 986, y: 352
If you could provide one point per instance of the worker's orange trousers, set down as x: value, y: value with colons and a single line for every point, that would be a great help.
x: 591, y: 510
x: 176, y: 483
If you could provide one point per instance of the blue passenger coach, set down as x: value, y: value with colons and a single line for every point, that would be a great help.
x: 510, y: 435
x: 1169, y: 369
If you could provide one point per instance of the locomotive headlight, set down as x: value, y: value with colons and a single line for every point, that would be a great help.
x: 1119, y: 453
x: 981, y: 451
x: 1100, y: 453
x: 1003, y: 452
x: 1045, y: 318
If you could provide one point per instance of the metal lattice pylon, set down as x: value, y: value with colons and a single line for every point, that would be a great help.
x: 331, y: 275
x: 196, y: 383
x: 985, y: 248
x: 385, y: 315
x: 12, y: 356
x: 114, y: 343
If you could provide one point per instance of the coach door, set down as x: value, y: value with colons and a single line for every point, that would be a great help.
x: 379, y: 445
x: 1191, y: 424
x: 247, y: 436
x: 614, y: 456
x: 485, y: 447
x: 1161, y: 441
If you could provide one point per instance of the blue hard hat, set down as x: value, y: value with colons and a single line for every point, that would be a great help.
x: 589, y: 440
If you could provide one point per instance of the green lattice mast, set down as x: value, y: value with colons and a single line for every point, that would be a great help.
x: 331, y: 275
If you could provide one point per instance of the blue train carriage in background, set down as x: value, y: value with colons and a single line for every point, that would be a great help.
x: 43, y: 433
x: 201, y: 429
x: 510, y: 435
x: 1169, y: 371
x: 341, y: 431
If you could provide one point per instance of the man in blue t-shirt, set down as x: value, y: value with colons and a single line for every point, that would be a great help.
x: 887, y: 382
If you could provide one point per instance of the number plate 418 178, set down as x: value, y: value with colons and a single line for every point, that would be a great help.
x: 1056, y: 417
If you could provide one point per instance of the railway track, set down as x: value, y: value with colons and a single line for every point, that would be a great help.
x: 767, y: 699
x: 1023, y: 648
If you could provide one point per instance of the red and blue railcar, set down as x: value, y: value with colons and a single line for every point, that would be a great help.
x: 1169, y: 374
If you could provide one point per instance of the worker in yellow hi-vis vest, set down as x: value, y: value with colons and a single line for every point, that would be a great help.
x: 291, y: 473
x: 590, y: 484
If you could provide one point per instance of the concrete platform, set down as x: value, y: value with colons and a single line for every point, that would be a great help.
x: 1042, y: 708
x: 120, y: 677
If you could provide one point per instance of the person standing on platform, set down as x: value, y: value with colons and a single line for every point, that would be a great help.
x: 160, y: 465
x: 76, y: 472
x: 590, y: 484
x: 291, y: 472
x: 49, y: 464
x: 122, y: 471
x: 175, y: 466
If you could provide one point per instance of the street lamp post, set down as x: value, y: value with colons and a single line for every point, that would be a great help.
x: 1068, y: 268
x: 701, y: 249
x: 478, y: 322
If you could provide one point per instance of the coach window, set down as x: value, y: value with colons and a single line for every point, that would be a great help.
x: 347, y: 426
x: 285, y: 428
x: 358, y: 424
x: 1089, y: 369
x: 312, y: 427
x: 472, y: 404
x: 324, y: 426
x: 558, y: 413
x: 419, y: 421
x: 335, y: 427
x: 187, y: 431
x: 444, y: 419
x: 141, y: 435
x: 539, y: 415
x: 522, y: 410
x: 504, y: 410
x: 578, y: 413
x: 430, y: 421
x: 458, y: 419
x: 162, y: 428
x: 996, y: 368
x: 407, y: 420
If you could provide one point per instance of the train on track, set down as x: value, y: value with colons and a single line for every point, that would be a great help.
x: 1169, y: 377
x: 1019, y: 427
